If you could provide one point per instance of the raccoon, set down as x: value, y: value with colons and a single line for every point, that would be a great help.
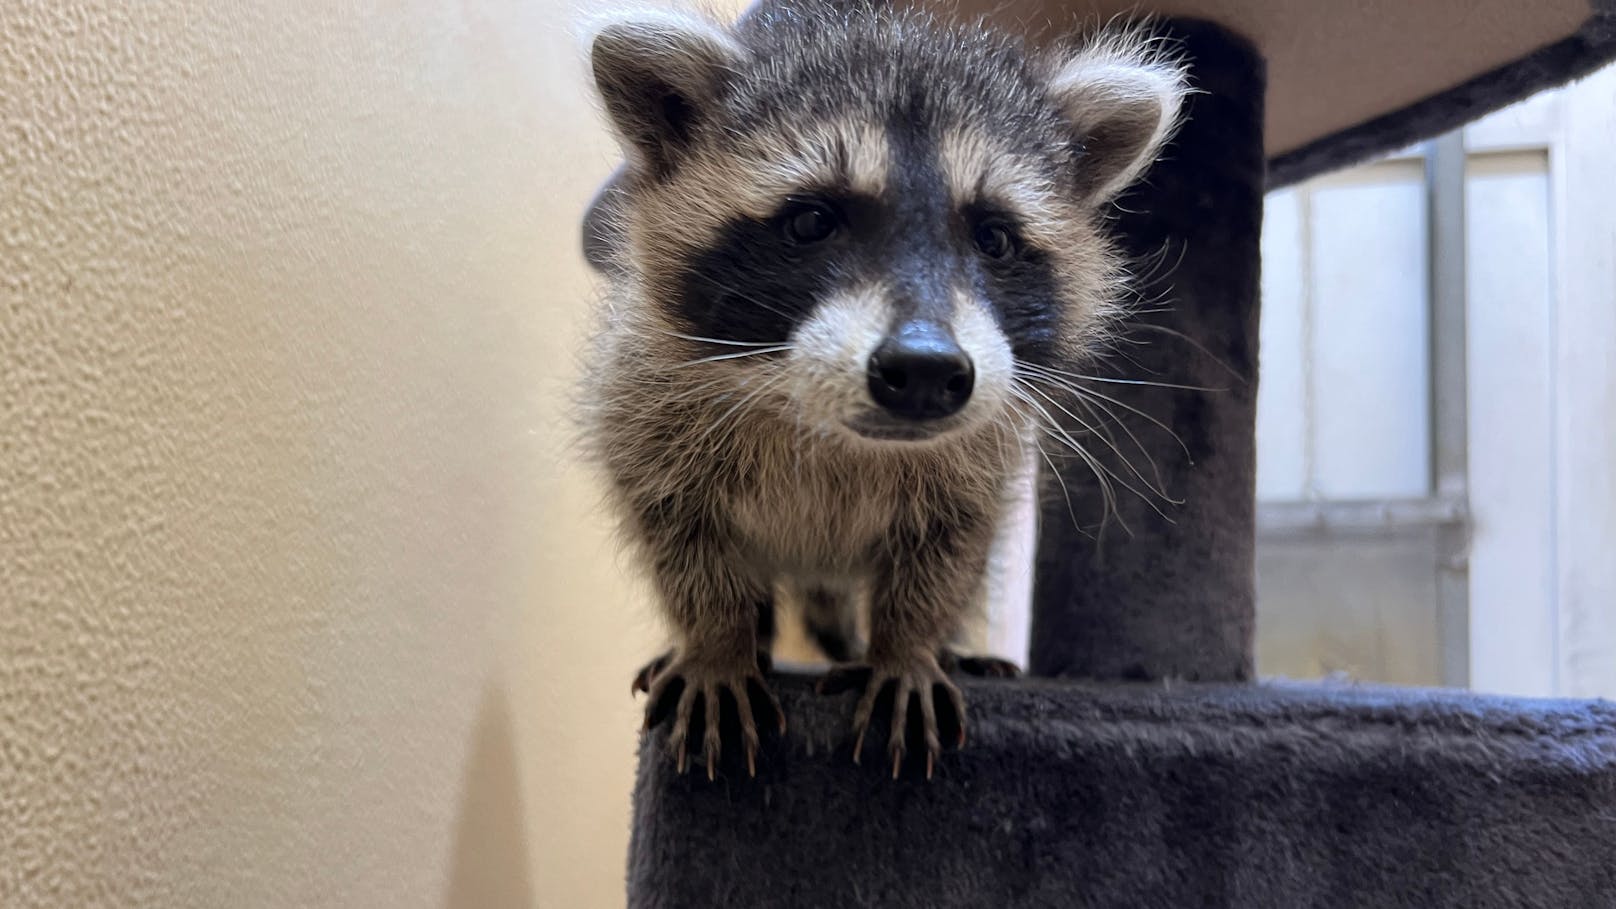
x: 849, y: 234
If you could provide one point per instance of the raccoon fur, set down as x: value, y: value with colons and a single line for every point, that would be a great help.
x: 850, y: 233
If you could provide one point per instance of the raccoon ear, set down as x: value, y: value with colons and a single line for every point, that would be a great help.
x: 1123, y: 99
x: 658, y: 72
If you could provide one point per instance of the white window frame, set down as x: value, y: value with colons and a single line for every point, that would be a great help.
x: 1562, y: 641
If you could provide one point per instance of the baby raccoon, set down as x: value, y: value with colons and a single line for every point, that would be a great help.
x: 850, y: 234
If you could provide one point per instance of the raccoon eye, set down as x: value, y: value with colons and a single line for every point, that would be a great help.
x: 994, y: 240
x: 808, y: 222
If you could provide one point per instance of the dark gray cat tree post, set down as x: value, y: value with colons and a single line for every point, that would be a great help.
x: 1163, y: 587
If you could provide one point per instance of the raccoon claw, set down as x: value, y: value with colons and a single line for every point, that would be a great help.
x: 925, y: 707
x: 710, y: 705
x: 649, y: 672
x: 987, y: 667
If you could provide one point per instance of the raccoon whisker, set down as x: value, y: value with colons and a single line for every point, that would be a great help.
x: 1117, y: 338
x: 724, y: 420
x: 1140, y: 301
x: 1101, y: 400
x: 1195, y: 344
x: 1066, y: 492
x: 1091, y: 405
x: 1114, y: 381
x: 1103, y: 416
x: 1005, y: 432
x: 1174, y: 385
x: 1007, y: 425
x: 1114, y: 347
x: 1051, y: 427
x: 1122, y: 457
x: 733, y: 356
x: 1108, y: 495
x: 1036, y: 489
x: 1155, y: 303
x: 703, y: 340
x: 1098, y: 467
x: 1099, y: 428
x: 1092, y: 394
x: 1084, y: 424
x: 1007, y: 429
x: 674, y: 394
x: 1154, y: 262
x: 1152, y: 311
x: 1108, y: 481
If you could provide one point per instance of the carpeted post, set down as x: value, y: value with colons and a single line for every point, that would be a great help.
x: 1162, y: 587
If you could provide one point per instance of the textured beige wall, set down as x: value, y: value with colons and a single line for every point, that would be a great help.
x: 298, y: 605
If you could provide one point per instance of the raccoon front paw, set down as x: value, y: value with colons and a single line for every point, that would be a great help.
x: 709, y: 701
x: 924, y: 707
x: 649, y: 672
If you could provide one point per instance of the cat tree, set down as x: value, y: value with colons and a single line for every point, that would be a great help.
x: 1140, y: 765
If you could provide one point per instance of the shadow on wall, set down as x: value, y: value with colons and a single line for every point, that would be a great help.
x: 490, y: 866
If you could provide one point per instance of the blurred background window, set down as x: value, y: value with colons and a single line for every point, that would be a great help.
x: 1436, y: 483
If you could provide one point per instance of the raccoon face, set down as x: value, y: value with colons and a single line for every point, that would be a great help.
x: 869, y: 221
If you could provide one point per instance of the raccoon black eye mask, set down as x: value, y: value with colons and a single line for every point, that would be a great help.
x: 862, y: 248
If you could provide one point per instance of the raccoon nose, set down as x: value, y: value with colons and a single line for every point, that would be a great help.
x: 919, y: 372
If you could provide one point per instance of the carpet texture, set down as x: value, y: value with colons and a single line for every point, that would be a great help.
x: 1074, y: 795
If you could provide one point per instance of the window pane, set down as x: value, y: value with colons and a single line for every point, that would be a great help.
x: 1371, y: 423
x: 1282, y: 391
x: 1512, y: 571
x: 1364, y: 604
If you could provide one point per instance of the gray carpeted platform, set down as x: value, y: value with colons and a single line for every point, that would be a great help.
x: 1077, y: 795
